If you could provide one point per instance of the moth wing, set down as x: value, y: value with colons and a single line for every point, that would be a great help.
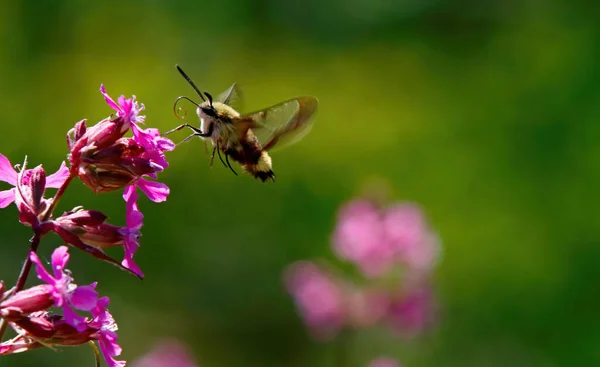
x: 232, y: 97
x: 283, y: 124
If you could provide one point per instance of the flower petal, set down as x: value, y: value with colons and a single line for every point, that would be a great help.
x: 109, y: 100
x: 7, y: 172
x: 129, y: 264
x: 7, y: 197
x: 56, y: 179
x: 84, y: 297
x: 60, y: 257
x: 73, y: 318
x: 156, y: 191
x: 41, y: 270
x: 134, y: 218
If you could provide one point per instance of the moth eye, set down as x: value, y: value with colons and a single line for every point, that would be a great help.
x: 209, y: 111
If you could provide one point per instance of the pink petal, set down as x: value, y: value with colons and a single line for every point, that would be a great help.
x: 109, y: 100
x: 74, y: 319
x: 110, y: 348
x: 84, y: 298
x: 7, y: 197
x: 134, y: 218
x: 156, y: 191
x: 131, y: 265
x: 40, y: 270
x: 60, y: 257
x: 56, y: 179
x: 7, y: 172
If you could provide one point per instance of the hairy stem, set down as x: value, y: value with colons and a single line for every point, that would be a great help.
x: 35, y: 243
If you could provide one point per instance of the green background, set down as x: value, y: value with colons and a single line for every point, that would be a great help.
x: 485, y: 113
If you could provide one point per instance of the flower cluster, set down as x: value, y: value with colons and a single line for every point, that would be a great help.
x: 395, y: 252
x: 27, y: 311
x: 104, y: 159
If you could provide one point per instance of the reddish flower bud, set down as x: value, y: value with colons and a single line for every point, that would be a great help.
x: 88, y: 231
x: 30, y: 300
x: 29, y: 197
x: 116, y: 166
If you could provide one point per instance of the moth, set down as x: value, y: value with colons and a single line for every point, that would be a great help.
x: 247, y: 138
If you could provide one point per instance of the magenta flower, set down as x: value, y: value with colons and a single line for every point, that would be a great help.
x: 106, y: 334
x: 318, y: 297
x: 377, y: 240
x: 134, y: 220
x: 9, y: 175
x: 169, y: 353
x: 414, y: 243
x: 127, y: 108
x: 88, y: 231
x: 360, y: 238
x: 108, y: 161
x: 384, y: 362
x: 412, y: 312
x: 65, y: 293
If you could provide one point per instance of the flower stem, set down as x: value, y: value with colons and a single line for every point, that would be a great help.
x: 343, y: 348
x: 35, y: 243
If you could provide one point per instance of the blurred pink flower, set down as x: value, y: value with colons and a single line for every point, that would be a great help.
x: 170, y: 353
x: 414, y: 244
x: 359, y: 237
x: 367, y: 307
x: 318, y: 297
x: 377, y: 240
x: 384, y: 362
x: 412, y: 312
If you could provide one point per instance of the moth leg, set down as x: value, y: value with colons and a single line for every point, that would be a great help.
x: 212, y: 157
x: 205, y: 148
x: 221, y: 158
x: 229, y: 165
x: 186, y: 140
x: 195, y: 129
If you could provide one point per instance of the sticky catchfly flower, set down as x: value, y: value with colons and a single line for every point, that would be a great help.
x: 65, y: 292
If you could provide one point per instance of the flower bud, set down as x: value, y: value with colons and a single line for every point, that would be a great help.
x: 30, y: 300
x: 29, y: 197
x: 116, y: 166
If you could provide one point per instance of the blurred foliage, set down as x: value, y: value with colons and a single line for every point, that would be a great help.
x: 486, y: 113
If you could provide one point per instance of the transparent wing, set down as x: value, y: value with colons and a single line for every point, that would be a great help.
x: 283, y: 124
x: 232, y: 97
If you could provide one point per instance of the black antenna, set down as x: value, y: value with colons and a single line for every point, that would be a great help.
x: 191, y: 82
x: 209, y: 98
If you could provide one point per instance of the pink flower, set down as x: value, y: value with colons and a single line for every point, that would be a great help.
x: 9, y: 175
x: 376, y: 240
x: 88, y: 231
x: 414, y: 243
x: 108, y: 161
x: 318, y: 297
x: 127, y: 108
x: 367, y: 307
x: 41, y: 329
x: 360, y: 238
x: 169, y: 353
x: 106, y: 334
x: 412, y: 312
x: 134, y: 220
x: 64, y: 292
x: 384, y: 362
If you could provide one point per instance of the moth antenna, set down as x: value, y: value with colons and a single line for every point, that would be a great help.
x: 210, y: 99
x: 191, y: 82
x: 183, y: 108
